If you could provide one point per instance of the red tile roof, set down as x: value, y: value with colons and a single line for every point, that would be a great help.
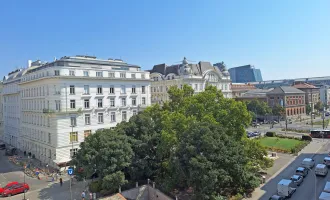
x: 304, y: 85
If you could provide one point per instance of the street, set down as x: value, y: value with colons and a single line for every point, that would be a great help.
x: 306, y: 190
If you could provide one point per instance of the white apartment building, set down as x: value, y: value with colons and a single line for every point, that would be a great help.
x: 1, y: 113
x: 60, y: 103
x: 196, y: 75
x: 325, y: 94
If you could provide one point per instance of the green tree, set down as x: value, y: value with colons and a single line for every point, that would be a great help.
x: 106, y: 152
x: 308, y: 109
x: 318, y: 106
x: 278, y: 110
x: 258, y: 107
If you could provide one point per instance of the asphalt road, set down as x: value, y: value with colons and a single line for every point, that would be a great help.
x: 306, y: 190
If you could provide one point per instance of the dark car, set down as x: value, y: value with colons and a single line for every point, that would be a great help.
x: 276, y: 197
x: 302, y: 171
x: 250, y: 134
x: 297, y: 179
x: 2, y: 146
x: 256, y: 133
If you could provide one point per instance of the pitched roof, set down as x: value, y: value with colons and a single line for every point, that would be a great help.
x: 286, y: 90
x: 304, y: 85
x: 114, y: 197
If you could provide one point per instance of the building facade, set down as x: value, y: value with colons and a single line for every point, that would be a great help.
x: 325, y: 95
x: 195, y: 75
x: 312, y: 93
x: 238, y: 89
x: 256, y: 94
x: 58, y: 104
x: 292, y: 99
x: 245, y: 74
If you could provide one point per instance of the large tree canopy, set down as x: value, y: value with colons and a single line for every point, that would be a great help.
x: 258, y: 107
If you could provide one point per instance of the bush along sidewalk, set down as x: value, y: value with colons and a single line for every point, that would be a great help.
x: 304, y: 141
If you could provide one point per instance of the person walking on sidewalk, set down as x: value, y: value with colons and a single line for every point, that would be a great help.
x: 61, y: 181
x: 83, y: 195
x: 90, y: 196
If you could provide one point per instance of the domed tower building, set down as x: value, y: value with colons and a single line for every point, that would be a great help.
x: 196, y: 75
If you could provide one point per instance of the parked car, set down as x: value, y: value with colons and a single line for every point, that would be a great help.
x: 297, y: 179
x: 256, y: 133
x: 308, y: 162
x: 249, y: 134
x: 15, y: 189
x: 276, y: 197
x: 2, y: 146
x: 7, y: 186
x: 302, y: 171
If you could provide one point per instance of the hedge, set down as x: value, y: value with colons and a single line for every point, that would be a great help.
x: 306, y: 138
x: 270, y: 134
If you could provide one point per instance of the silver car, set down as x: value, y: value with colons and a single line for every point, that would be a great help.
x: 297, y: 179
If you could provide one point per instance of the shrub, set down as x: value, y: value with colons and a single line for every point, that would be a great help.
x: 306, y: 137
x: 237, y: 197
x: 95, y: 186
x: 270, y: 134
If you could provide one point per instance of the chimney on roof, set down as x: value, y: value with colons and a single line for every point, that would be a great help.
x: 29, y: 63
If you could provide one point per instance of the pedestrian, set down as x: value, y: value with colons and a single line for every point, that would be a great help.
x: 61, y: 181
x: 83, y: 195
x: 56, y: 176
x: 90, y: 196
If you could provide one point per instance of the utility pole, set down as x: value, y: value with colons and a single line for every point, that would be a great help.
x: 323, y: 116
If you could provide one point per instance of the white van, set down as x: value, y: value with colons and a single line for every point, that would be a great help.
x: 308, y: 162
x: 321, y: 170
x: 326, y: 161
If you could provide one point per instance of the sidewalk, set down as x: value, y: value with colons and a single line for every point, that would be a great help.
x: 311, y: 148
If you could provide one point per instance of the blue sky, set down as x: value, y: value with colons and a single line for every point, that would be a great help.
x: 285, y: 39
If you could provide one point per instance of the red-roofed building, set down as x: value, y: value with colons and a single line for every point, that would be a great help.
x: 312, y: 93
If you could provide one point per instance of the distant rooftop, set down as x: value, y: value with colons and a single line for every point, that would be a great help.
x: 286, y: 90
x: 304, y: 86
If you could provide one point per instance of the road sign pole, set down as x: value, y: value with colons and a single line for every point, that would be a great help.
x: 70, y: 187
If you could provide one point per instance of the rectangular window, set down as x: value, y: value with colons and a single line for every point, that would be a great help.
x: 100, y: 117
x: 87, y: 133
x: 133, y: 89
x: 111, y: 75
x: 99, y: 89
x: 86, y: 73
x: 112, y: 116
x: 134, y: 112
x: 143, y: 101
x: 72, y: 90
x: 143, y: 89
x: 132, y: 75
x: 99, y: 103
x: 73, y: 121
x: 73, y: 137
x: 86, y: 103
x: 99, y: 74
x: 58, y: 105
x: 122, y: 75
x: 72, y: 103
x: 143, y: 76
x: 133, y: 101
x: 49, y: 138
x: 196, y: 87
x: 123, y: 101
x: 124, y: 115
x: 123, y: 89
x: 73, y: 152
x: 112, y: 89
x: 112, y: 102
x: 87, y: 119
x: 86, y: 89
x: 71, y: 73
x: 57, y: 72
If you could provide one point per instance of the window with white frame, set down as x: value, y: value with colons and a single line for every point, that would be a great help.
x: 143, y: 89
x: 72, y: 103
x: 99, y: 89
x: 100, y: 117
x: 112, y: 116
x: 133, y: 101
x: 133, y: 89
x: 196, y: 87
x: 112, y: 102
x: 134, y: 112
x: 73, y: 137
x: 87, y: 119
x: 143, y: 101
x: 123, y: 101
x: 143, y: 76
x: 86, y: 103
x: 86, y: 89
x: 87, y: 133
x: 99, y: 74
x: 111, y: 74
x: 58, y: 105
x: 122, y: 75
x: 73, y: 121
x: 124, y: 115
x: 132, y: 75
x: 123, y: 89
x: 73, y: 152
x: 57, y: 72
x: 86, y: 73
x: 49, y: 138
x: 72, y: 90
x: 71, y: 73
x: 99, y: 103
x: 112, y: 89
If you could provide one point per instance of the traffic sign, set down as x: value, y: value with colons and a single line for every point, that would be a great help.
x: 70, y: 171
